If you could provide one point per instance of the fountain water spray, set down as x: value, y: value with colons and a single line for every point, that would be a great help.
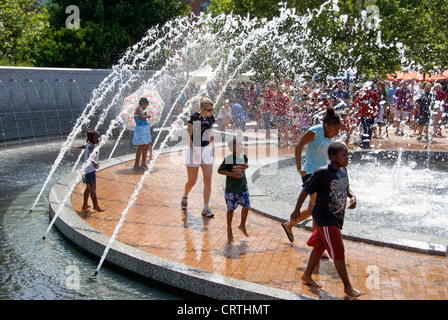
x: 99, y: 95
x: 227, y: 43
x: 41, y: 107
x: 55, y: 105
x: 114, y: 123
x: 12, y: 108
x: 77, y: 130
x: 247, y: 46
x: 27, y: 104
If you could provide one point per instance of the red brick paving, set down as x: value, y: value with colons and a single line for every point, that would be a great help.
x: 157, y: 225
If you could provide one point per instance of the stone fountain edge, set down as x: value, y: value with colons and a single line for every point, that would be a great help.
x: 174, y: 274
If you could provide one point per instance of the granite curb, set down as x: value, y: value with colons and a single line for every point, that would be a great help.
x: 175, y: 274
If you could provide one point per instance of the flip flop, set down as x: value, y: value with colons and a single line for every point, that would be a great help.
x: 290, y: 236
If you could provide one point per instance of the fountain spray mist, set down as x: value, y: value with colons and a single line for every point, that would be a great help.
x: 248, y: 45
x: 225, y: 42
x: 99, y: 95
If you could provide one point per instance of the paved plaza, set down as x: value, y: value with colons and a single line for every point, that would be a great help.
x: 157, y: 225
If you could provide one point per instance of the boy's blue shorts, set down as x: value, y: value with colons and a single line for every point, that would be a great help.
x: 89, y: 178
x: 235, y: 199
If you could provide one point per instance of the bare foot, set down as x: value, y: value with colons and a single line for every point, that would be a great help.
x: 243, y: 230
x: 229, y: 235
x: 311, y: 282
x: 85, y: 207
x: 98, y: 209
x: 352, y: 292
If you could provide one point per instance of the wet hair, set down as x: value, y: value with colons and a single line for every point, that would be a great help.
x: 143, y: 101
x: 204, y: 101
x: 90, y: 134
x: 331, y: 117
x: 335, y: 148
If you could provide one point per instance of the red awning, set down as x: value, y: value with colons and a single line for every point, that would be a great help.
x: 417, y: 76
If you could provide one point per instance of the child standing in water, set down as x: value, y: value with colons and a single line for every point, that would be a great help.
x: 236, y: 192
x: 89, y: 177
x: 331, y: 185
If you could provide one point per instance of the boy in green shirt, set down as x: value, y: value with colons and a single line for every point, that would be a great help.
x: 236, y: 192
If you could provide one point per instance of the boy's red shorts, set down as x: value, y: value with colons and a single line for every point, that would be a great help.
x: 328, y: 238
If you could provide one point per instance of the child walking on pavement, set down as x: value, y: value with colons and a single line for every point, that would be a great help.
x: 332, y: 187
x: 236, y: 191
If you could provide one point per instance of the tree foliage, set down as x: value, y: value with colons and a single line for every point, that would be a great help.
x: 369, y: 37
x: 20, y: 28
x: 106, y: 29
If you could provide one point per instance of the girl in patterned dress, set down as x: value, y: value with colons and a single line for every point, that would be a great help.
x: 142, y: 134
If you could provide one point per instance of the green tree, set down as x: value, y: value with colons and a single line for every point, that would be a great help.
x: 373, y: 37
x: 261, y: 9
x: 21, y: 26
x: 106, y: 29
x: 430, y: 51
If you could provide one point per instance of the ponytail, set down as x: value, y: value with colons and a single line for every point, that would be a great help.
x: 331, y: 117
x: 143, y: 101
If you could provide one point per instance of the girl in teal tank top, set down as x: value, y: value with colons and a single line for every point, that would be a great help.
x: 317, y: 139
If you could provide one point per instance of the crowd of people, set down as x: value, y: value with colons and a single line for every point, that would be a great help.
x: 367, y: 109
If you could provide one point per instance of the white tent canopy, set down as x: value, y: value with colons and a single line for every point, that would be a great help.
x: 201, y: 75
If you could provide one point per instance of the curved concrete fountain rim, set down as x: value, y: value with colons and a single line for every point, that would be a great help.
x: 174, y: 274
x: 355, y: 231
